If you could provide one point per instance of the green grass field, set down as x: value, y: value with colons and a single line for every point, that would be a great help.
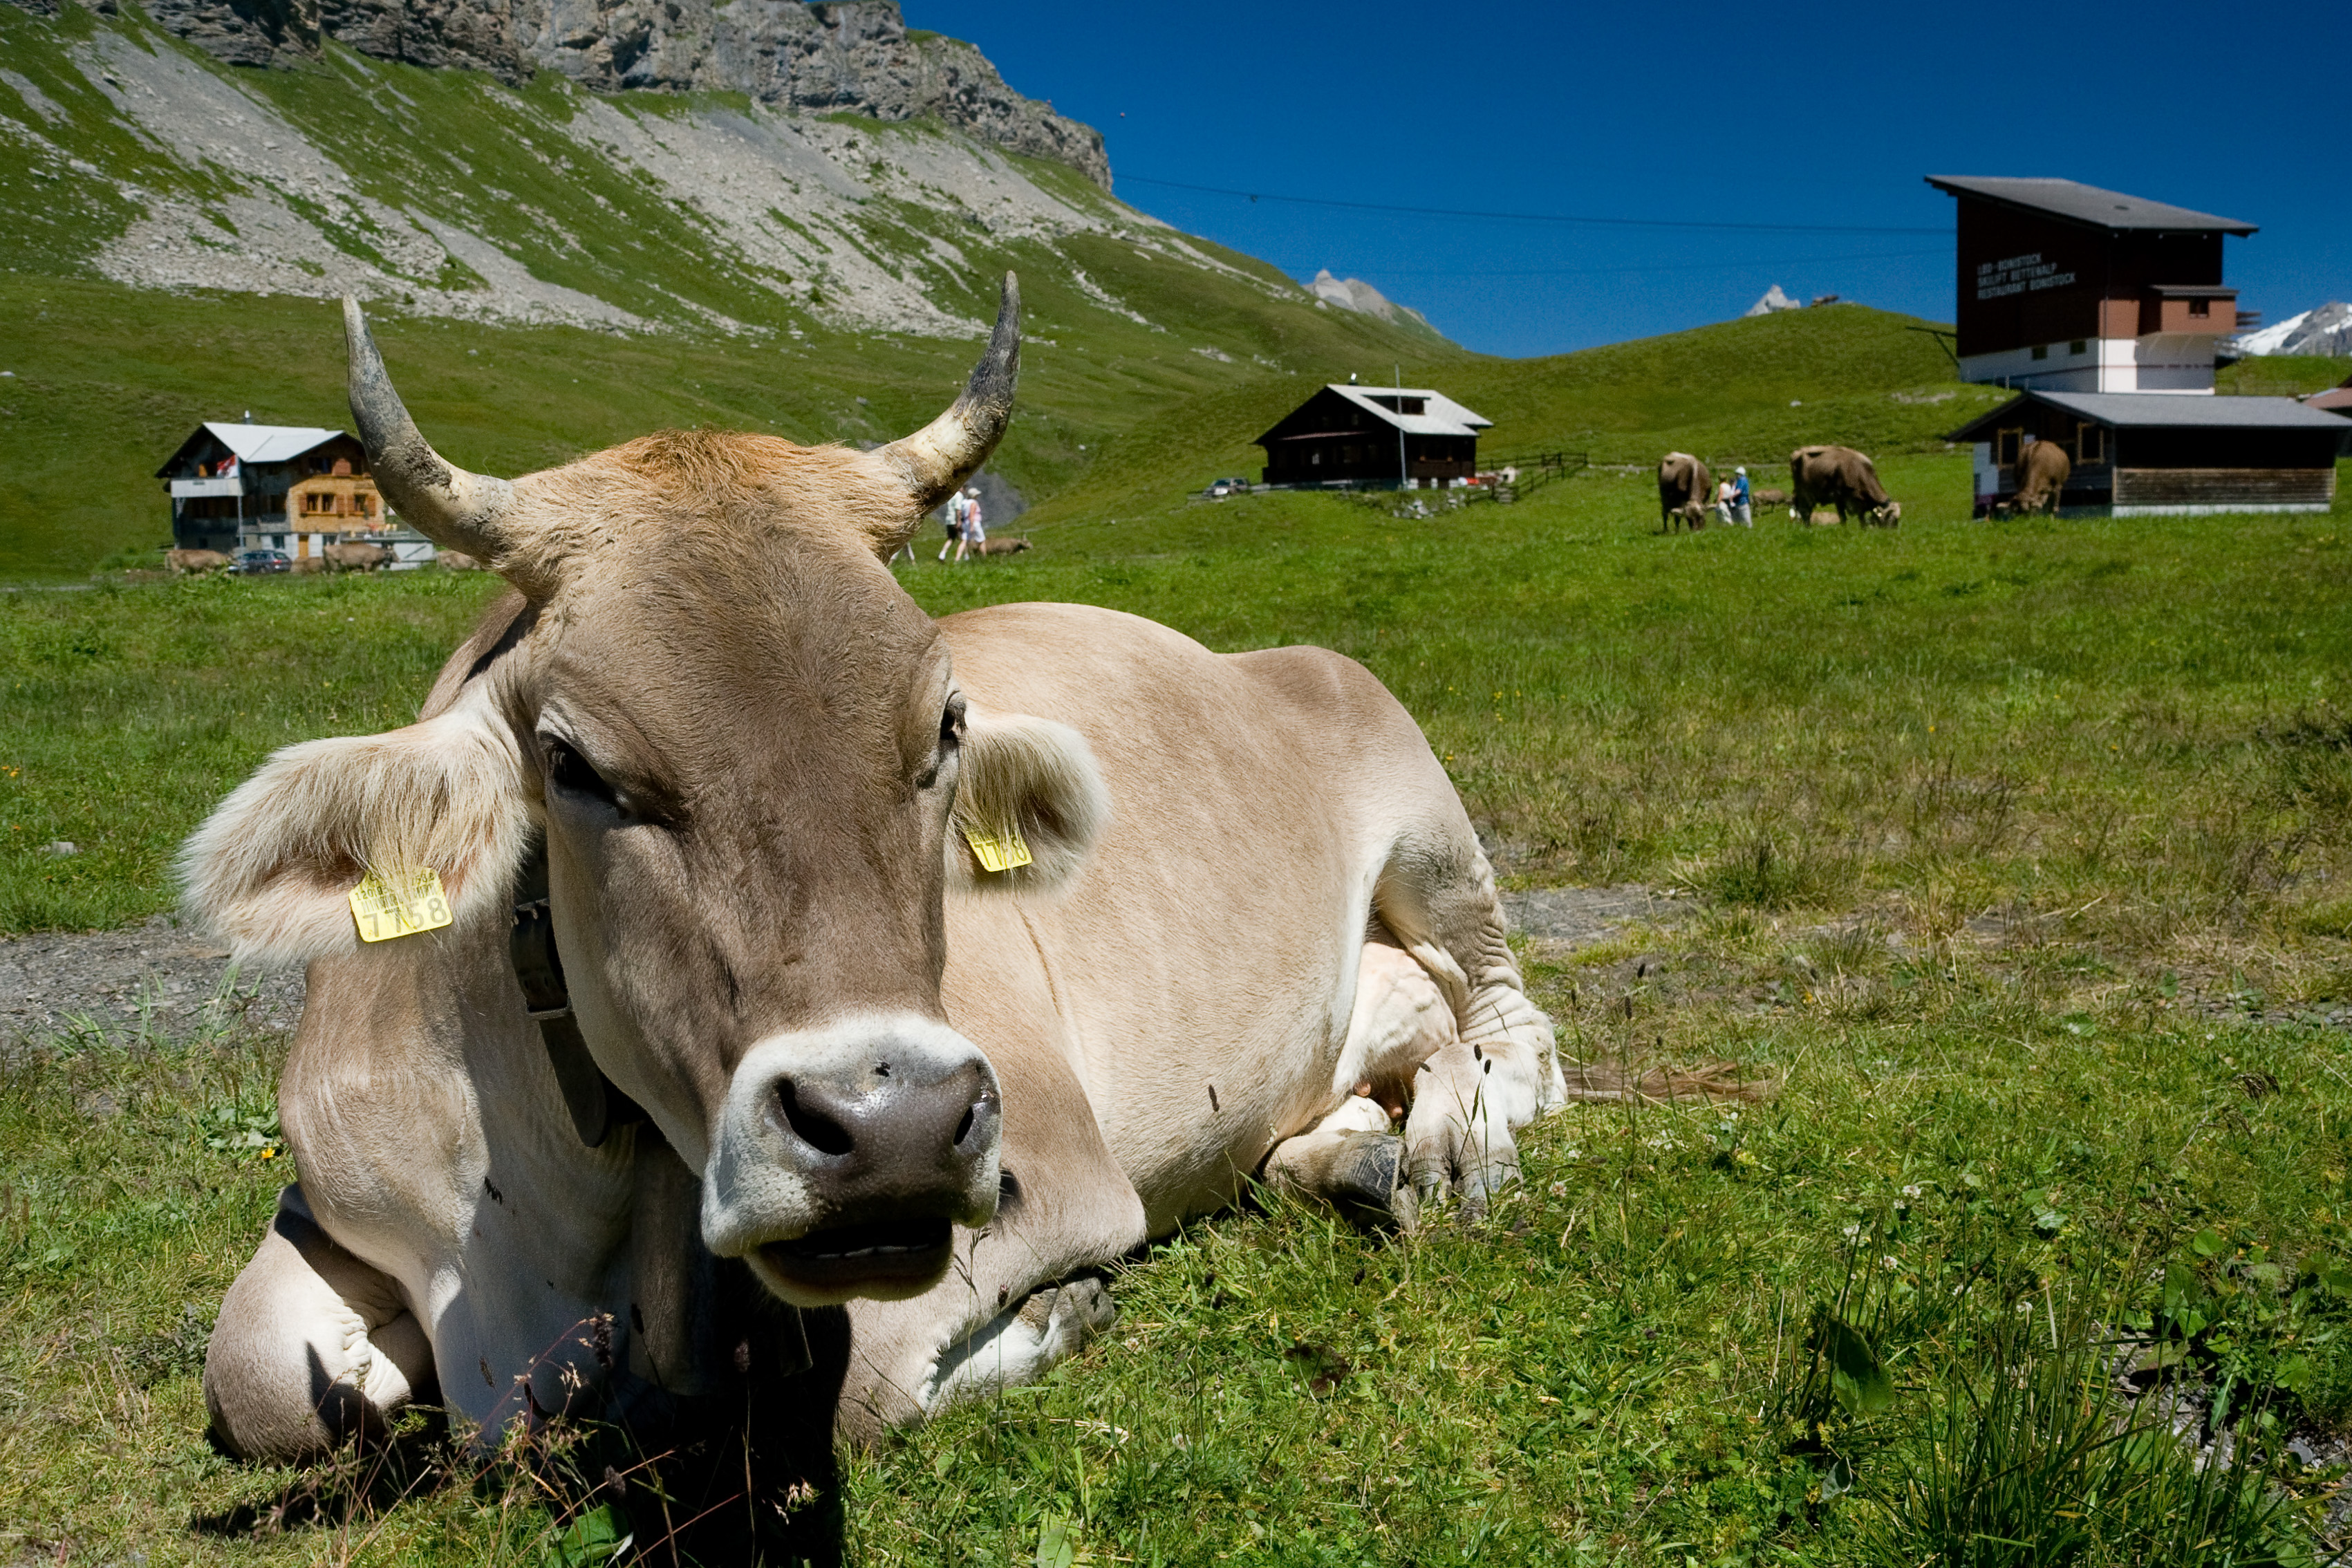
x: 2017, y: 856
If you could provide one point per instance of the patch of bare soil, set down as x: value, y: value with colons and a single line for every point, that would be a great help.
x: 56, y: 983
x: 1569, y: 918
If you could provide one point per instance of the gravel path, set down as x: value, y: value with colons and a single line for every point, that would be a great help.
x: 112, y: 977
x: 50, y: 981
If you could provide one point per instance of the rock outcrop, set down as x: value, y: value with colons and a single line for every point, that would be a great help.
x: 1355, y: 294
x: 854, y: 56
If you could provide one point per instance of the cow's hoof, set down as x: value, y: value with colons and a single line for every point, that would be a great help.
x: 1065, y: 1317
x: 1364, y: 1182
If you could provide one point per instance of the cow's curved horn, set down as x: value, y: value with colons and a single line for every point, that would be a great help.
x: 940, y: 455
x: 454, y: 509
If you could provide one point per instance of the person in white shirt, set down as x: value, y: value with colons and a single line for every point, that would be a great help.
x: 975, y: 530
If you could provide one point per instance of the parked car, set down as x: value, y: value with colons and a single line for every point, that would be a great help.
x: 253, y: 562
x: 1221, y: 488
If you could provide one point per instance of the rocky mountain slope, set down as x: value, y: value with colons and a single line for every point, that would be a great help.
x: 2324, y: 330
x: 786, y: 168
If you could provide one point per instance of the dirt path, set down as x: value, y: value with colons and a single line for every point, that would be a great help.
x: 49, y: 981
x: 111, y: 978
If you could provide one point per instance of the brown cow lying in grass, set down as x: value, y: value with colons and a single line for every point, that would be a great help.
x: 1008, y: 546
x: 897, y: 995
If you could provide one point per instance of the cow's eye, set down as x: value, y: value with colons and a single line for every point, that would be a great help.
x: 568, y: 771
x: 951, y: 724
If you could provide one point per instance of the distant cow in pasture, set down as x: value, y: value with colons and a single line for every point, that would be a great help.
x: 1842, y: 477
x: 1000, y: 547
x: 1684, y: 487
x: 192, y: 562
x: 2043, y: 470
x: 357, y: 557
x: 457, y: 561
x: 1771, y: 498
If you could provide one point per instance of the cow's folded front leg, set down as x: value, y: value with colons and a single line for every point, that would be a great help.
x: 313, y: 1347
x: 1352, y: 1161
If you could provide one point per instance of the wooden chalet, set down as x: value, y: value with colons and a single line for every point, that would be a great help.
x: 2140, y: 455
x: 2068, y: 288
x: 277, y: 487
x: 1373, y: 436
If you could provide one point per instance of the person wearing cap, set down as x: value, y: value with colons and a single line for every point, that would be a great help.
x: 1742, y: 510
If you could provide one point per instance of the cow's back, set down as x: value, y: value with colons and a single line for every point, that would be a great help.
x: 1214, y: 932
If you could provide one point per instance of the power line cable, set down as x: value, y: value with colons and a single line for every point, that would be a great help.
x: 1769, y: 262
x: 1538, y: 218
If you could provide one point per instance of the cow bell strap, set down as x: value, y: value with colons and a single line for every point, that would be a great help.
x: 596, y: 1106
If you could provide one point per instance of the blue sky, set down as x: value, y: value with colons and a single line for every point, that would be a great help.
x: 1751, y: 114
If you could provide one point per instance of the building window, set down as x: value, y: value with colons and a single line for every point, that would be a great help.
x: 2042, y: 350
x: 1315, y: 458
x: 2078, y: 346
x: 2200, y: 307
x: 2091, y: 444
x: 2005, y: 445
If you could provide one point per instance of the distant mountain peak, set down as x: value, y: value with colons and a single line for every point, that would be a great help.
x: 1355, y: 294
x: 2324, y: 330
x: 1773, y: 300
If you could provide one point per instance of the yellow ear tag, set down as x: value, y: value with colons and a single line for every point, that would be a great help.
x: 384, y: 911
x: 998, y: 852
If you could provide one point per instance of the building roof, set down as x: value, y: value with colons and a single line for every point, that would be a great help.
x: 2337, y: 400
x: 1440, y: 415
x: 254, y: 443
x: 2161, y: 410
x: 2082, y: 204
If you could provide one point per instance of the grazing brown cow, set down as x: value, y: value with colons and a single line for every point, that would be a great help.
x: 2043, y: 470
x: 354, y: 557
x: 1684, y: 487
x: 1000, y: 547
x: 1843, y: 477
x: 191, y: 563
x: 457, y: 561
x: 1771, y: 498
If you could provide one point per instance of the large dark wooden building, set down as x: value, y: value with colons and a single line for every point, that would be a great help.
x: 1405, y: 436
x: 2137, y: 455
x: 2067, y: 288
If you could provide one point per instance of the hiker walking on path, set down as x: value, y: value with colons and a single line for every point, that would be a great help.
x: 1742, y: 510
x: 975, y: 532
x: 956, y: 505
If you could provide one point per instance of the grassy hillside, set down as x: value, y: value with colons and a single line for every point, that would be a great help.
x: 2284, y: 375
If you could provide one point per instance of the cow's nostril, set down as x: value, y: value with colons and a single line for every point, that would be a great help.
x: 964, y: 1128
x: 813, y: 1127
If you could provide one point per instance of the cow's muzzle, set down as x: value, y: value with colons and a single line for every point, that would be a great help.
x: 845, y: 1156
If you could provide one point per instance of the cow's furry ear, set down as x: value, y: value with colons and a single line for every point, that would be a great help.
x: 1038, y: 780
x: 273, y: 867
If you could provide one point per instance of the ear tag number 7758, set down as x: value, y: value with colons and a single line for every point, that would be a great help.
x: 385, y: 907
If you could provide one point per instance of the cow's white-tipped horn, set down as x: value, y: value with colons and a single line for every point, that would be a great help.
x: 940, y: 455
x: 454, y: 509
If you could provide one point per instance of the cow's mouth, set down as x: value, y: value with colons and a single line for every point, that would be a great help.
x: 859, y: 1258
